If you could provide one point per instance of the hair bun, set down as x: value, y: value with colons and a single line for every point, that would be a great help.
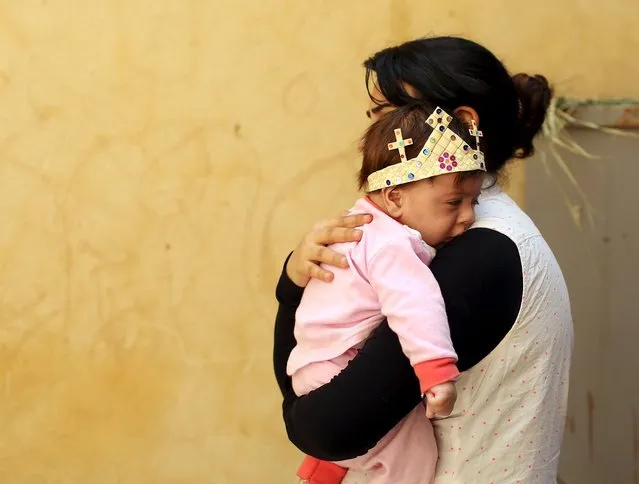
x: 535, y: 95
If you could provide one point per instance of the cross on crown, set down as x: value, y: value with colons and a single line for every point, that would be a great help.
x: 400, y: 144
x: 476, y: 133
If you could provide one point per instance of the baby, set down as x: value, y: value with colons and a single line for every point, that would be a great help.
x: 423, y: 180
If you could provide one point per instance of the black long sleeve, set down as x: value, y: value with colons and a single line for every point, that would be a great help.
x: 480, y: 276
x: 289, y: 296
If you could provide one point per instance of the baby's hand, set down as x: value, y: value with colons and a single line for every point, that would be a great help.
x: 440, y: 400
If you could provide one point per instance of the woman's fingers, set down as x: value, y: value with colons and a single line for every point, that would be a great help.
x: 330, y: 257
x: 338, y: 229
x: 316, y: 272
x: 335, y: 235
x: 312, y: 251
x: 347, y: 221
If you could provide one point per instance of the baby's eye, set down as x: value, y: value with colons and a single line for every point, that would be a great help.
x: 455, y: 203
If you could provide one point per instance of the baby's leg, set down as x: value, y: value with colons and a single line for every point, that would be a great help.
x: 407, y: 455
x: 305, y: 380
x: 314, y: 375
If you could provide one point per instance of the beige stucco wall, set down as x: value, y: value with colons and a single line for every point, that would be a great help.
x: 158, y: 160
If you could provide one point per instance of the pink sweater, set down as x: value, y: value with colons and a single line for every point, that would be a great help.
x: 388, y: 277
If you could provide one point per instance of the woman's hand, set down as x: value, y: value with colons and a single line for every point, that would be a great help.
x: 305, y: 260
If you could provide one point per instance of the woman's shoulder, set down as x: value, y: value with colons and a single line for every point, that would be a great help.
x: 482, y: 246
x: 480, y: 257
x: 500, y: 213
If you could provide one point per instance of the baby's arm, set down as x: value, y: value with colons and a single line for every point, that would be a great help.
x: 412, y: 302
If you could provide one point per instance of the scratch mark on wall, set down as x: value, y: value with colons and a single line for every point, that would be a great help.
x: 590, y: 401
x: 300, y: 96
x: 635, y: 446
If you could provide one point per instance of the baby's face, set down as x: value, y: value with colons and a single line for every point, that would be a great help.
x: 441, y: 208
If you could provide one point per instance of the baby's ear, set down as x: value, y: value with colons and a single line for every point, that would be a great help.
x: 393, y: 198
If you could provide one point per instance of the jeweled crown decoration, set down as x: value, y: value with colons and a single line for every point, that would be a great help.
x: 444, y: 152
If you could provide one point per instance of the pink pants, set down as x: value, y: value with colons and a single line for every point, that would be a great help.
x: 406, y: 455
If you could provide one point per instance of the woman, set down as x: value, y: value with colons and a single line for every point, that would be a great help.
x: 506, y: 298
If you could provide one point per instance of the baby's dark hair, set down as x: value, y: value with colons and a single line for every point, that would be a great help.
x: 411, y: 120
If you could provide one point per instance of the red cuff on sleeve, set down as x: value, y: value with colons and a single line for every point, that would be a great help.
x: 315, y: 471
x: 434, y: 372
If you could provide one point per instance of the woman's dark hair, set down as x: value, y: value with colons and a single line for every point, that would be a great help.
x: 411, y: 119
x: 451, y: 72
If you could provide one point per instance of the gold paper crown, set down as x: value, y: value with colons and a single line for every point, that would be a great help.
x: 444, y: 152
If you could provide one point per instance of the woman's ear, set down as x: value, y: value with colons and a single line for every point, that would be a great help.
x: 393, y: 199
x: 467, y: 114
